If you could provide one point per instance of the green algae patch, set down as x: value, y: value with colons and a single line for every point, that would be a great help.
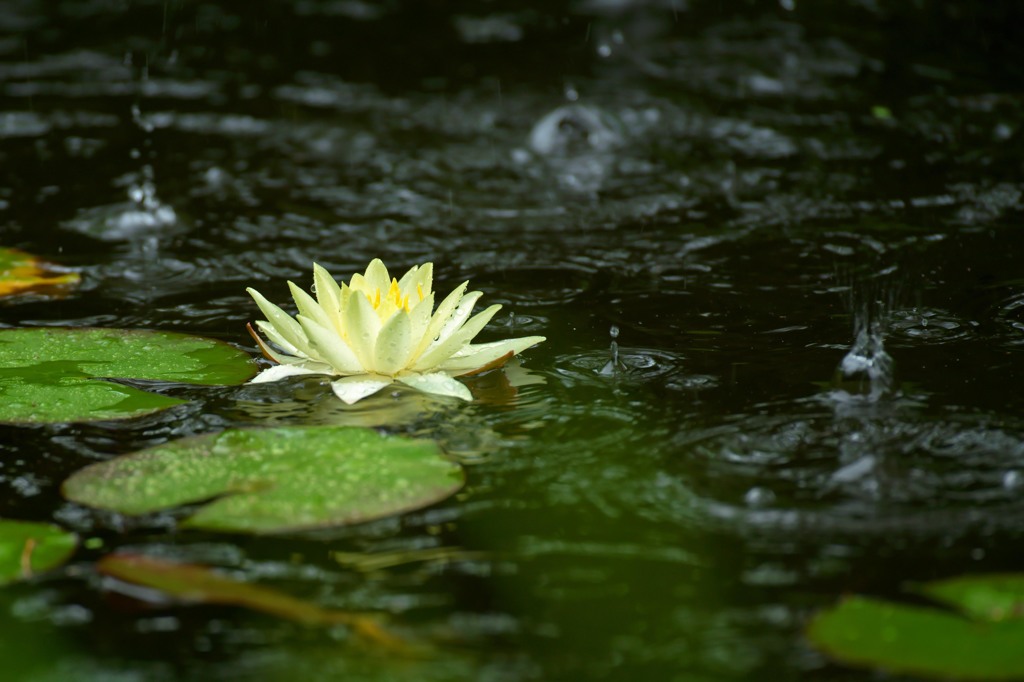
x: 27, y: 548
x: 55, y: 375
x: 273, y: 480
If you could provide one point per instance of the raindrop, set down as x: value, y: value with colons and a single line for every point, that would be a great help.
x: 1012, y: 479
x: 759, y: 497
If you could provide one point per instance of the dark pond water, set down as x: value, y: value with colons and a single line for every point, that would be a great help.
x: 710, y: 209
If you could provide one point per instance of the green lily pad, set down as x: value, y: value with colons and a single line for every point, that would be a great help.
x: 981, y: 643
x: 27, y: 548
x: 50, y: 375
x: 271, y: 480
x: 21, y: 272
x: 201, y: 585
x: 983, y: 597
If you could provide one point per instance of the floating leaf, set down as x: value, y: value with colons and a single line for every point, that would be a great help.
x: 21, y: 272
x: 49, y: 375
x: 270, y: 480
x: 922, y: 641
x: 199, y: 584
x: 984, y: 597
x: 27, y: 548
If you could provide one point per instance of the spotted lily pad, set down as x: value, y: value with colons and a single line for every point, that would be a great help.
x: 270, y: 480
x: 27, y: 548
x: 21, y: 272
x: 983, y: 639
x: 198, y: 584
x: 50, y: 375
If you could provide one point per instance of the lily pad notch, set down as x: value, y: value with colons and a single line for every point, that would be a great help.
x: 273, y: 480
x: 53, y: 375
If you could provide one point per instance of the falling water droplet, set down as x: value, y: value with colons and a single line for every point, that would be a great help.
x: 614, y: 365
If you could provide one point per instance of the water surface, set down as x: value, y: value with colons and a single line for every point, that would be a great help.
x: 710, y: 211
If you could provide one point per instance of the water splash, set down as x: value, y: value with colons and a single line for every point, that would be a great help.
x: 867, y: 369
x: 868, y: 364
x: 614, y: 364
x: 141, y: 220
x: 577, y: 142
x: 573, y: 130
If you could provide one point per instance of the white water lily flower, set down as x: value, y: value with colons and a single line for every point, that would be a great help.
x: 377, y: 330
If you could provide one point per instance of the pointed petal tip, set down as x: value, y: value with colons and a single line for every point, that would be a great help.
x: 437, y: 383
x: 352, y: 389
x: 278, y: 372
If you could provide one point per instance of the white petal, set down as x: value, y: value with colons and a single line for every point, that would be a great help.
x: 438, y: 384
x: 361, y: 327
x: 419, y: 318
x: 288, y: 328
x: 276, y: 338
x: 308, y: 306
x: 377, y: 275
x: 460, y: 315
x: 354, y: 389
x: 278, y: 372
x: 394, y: 345
x: 328, y: 293
x: 331, y: 347
x: 417, y: 280
x: 444, y: 312
x: 440, y: 352
x: 473, y: 357
x: 346, y: 294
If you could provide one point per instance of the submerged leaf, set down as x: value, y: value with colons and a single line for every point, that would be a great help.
x: 271, y: 480
x: 50, y: 375
x: 21, y: 272
x: 27, y: 548
x: 199, y: 584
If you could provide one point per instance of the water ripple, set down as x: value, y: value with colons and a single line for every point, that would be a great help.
x: 863, y: 468
x: 630, y: 365
x: 1010, y: 315
x: 929, y: 325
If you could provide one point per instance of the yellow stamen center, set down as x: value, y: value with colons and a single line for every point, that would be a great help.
x: 393, y: 296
